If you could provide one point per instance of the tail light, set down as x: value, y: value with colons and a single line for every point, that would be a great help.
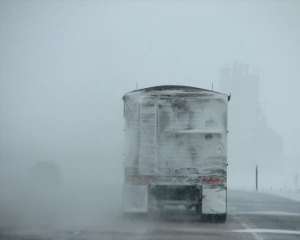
x: 139, y: 179
x: 211, y: 180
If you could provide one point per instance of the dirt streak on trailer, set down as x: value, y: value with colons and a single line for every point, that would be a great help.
x: 176, y: 150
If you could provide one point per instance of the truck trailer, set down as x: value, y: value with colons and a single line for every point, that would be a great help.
x: 176, y: 150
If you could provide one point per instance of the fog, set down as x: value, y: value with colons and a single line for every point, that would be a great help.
x: 65, y: 65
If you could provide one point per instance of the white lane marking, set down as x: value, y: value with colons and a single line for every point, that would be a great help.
x: 277, y: 213
x: 277, y: 231
x: 254, y: 234
x: 248, y: 229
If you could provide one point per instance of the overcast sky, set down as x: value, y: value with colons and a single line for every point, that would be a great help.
x: 65, y: 65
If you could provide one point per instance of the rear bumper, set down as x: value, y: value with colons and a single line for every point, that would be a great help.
x: 139, y: 198
x: 175, y: 194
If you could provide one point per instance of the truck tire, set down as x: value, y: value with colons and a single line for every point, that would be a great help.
x: 206, y: 218
x: 220, y: 218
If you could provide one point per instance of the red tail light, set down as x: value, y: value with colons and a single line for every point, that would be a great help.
x: 139, y: 179
x: 210, y: 180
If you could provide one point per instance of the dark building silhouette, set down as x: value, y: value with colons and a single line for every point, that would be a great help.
x: 251, y: 141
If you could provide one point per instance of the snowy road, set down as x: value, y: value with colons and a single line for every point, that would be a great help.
x: 251, y: 215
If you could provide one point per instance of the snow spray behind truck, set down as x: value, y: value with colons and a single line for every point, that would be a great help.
x: 176, y: 150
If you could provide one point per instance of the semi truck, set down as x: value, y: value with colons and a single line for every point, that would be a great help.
x: 176, y: 150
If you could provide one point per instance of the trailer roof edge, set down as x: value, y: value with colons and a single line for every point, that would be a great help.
x: 174, y: 87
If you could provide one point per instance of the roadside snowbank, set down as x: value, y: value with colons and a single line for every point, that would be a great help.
x: 292, y: 196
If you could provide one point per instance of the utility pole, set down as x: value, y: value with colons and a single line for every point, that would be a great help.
x: 256, y: 175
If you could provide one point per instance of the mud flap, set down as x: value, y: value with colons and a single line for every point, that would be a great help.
x: 214, y: 201
x: 135, y: 198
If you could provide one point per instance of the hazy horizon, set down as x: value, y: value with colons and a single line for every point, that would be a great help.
x: 65, y: 65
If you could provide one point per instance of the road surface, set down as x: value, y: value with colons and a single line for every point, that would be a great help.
x: 251, y: 215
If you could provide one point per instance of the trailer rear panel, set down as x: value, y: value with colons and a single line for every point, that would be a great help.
x: 175, y: 149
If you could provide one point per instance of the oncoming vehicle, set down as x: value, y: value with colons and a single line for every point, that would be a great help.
x: 176, y: 150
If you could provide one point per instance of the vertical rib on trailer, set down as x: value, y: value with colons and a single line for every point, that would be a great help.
x: 147, y: 144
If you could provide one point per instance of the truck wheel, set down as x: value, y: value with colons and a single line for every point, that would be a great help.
x: 160, y: 206
x: 206, y: 218
x: 198, y: 209
x: 220, y: 218
x: 188, y: 207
